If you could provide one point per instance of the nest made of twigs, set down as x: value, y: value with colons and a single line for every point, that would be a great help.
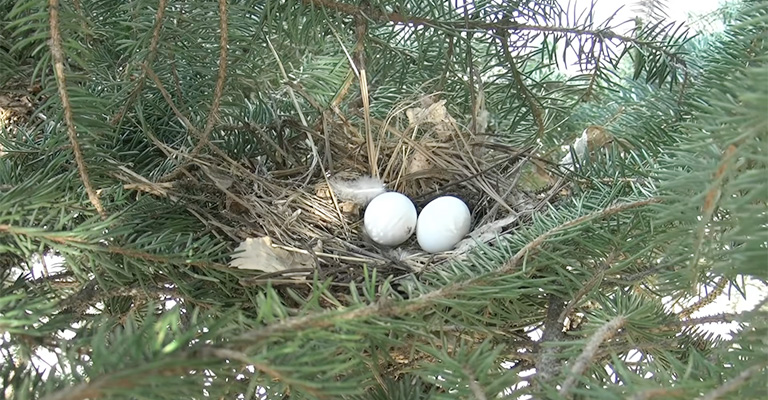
x: 419, y: 150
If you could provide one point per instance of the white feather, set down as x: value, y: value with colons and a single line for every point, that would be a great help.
x: 361, y: 190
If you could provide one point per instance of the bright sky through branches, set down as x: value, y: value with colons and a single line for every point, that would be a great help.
x: 691, y: 12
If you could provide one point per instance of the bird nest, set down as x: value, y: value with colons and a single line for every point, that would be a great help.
x: 291, y: 223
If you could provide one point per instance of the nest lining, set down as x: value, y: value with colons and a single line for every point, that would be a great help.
x: 426, y: 156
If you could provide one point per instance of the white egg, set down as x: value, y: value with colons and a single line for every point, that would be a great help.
x: 442, y: 224
x: 390, y: 218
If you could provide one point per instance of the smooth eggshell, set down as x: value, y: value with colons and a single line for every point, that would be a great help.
x: 442, y: 224
x: 390, y: 218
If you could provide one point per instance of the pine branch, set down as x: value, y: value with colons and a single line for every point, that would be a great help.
x: 119, y: 382
x: 604, y: 333
x: 67, y: 238
x: 153, y: 44
x: 711, y: 201
x: 710, y: 319
x: 527, y: 94
x: 58, y: 66
x: 588, y: 286
x: 91, y: 294
x: 663, y: 393
x: 167, y: 96
x: 733, y: 384
x: 477, y: 391
x: 706, y: 300
x: 388, y: 308
x: 602, y: 35
x: 547, y: 365
x: 227, y: 354
x: 213, y: 114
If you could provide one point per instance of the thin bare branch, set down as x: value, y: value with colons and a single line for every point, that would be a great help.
x: 597, y: 278
x: 233, y: 355
x: 167, y: 96
x: 661, y: 393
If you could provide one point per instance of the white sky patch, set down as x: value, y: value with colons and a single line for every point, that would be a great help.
x: 733, y: 302
x: 691, y: 12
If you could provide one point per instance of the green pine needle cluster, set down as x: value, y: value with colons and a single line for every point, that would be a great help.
x: 593, y: 296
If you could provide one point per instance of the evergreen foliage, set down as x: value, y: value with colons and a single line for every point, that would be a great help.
x: 666, y: 212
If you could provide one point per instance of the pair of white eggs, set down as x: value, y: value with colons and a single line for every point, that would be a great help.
x: 390, y: 219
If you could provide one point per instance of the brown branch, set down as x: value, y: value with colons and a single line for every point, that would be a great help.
x: 57, y: 237
x: 517, y: 76
x: 546, y: 362
x: 711, y: 319
x: 386, y: 308
x: 712, y: 199
x: 176, y: 79
x: 58, y: 66
x: 123, y: 381
x: 474, y: 386
x: 86, y: 390
x: 147, y: 62
x: 586, y: 288
x: 376, y: 15
x: 213, y: 115
x: 52, y: 236
x: 167, y: 96
x: 163, y: 258
x: 604, y: 333
x: 706, y: 300
x: 664, y: 393
x: 90, y: 294
x: 589, y: 92
x: 233, y: 355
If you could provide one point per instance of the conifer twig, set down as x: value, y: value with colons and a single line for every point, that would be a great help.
x: 706, y: 300
x: 732, y: 384
x: 546, y: 362
x: 711, y: 200
x: 598, y: 277
x: 153, y: 44
x: 527, y: 95
x: 213, y: 114
x: 604, y: 333
x: 602, y: 34
x: 228, y: 354
x: 656, y: 392
x: 167, y: 96
x: 57, y: 53
x: 477, y: 391
x: 385, y: 307
x: 710, y: 319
